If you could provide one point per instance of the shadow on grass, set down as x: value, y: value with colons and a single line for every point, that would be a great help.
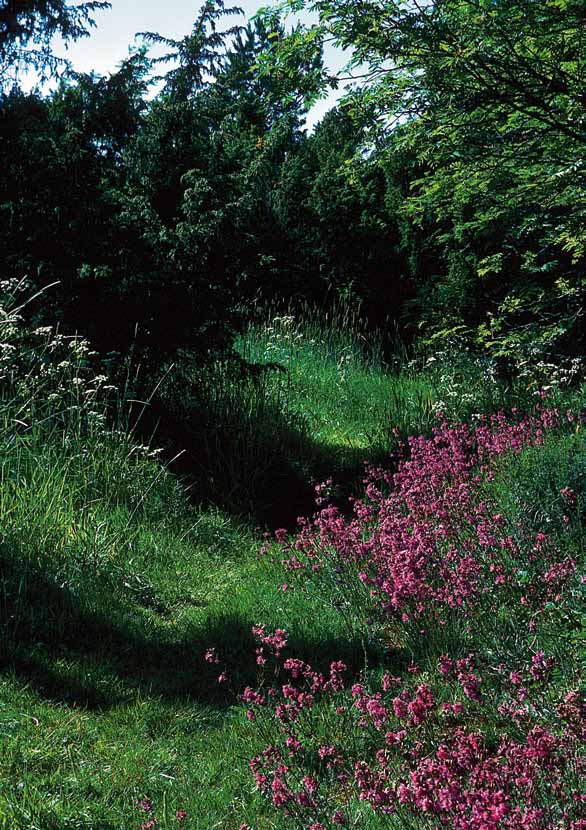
x: 241, y: 449
x: 96, y: 653
x: 272, y: 481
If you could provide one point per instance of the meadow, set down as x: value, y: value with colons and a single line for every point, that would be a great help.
x: 292, y: 415
x: 407, y: 659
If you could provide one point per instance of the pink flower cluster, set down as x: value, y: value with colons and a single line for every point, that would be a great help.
x: 211, y: 656
x: 401, y: 751
x: 487, y: 741
x: 145, y: 805
x: 426, y: 545
x: 275, y: 643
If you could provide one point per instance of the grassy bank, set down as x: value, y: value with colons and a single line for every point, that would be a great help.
x: 113, y: 584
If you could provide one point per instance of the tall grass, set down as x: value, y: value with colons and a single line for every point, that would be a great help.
x: 111, y: 587
x: 74, y: 484
x: 334, y: 372
x: 359, y: 389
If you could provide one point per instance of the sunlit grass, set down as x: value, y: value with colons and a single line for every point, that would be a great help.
x: 334, y: 374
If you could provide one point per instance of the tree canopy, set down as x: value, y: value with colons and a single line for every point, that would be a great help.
x: 446, y: 191
x: 487, y: 98
x: 27, y: 28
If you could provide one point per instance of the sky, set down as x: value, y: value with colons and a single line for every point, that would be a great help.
x: 115, y: 29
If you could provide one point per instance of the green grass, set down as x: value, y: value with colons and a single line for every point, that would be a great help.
x: 334, y: 375
x: 108, y: 600
x: 111, y: 588
x: 112, y: 584
x: 106, y: 696
x: 109, y: 595
x: 313, y: 396
x: 327, y: 371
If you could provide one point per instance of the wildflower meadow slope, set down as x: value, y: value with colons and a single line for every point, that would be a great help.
x: 408, y: 660
x: 473, y: 717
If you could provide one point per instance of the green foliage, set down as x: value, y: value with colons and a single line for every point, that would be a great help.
x: 197, y: 56
x: 331, y: 200
x: 112, y: 586
x: 471, y: 108
x: 445, y: 190
x: 153, y: 216
x: 546, y: 486
x: 333, y: 373
x: 441, y: 202
x: 62, y: 160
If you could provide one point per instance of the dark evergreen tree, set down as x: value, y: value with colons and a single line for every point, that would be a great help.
x: 27, y: 28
